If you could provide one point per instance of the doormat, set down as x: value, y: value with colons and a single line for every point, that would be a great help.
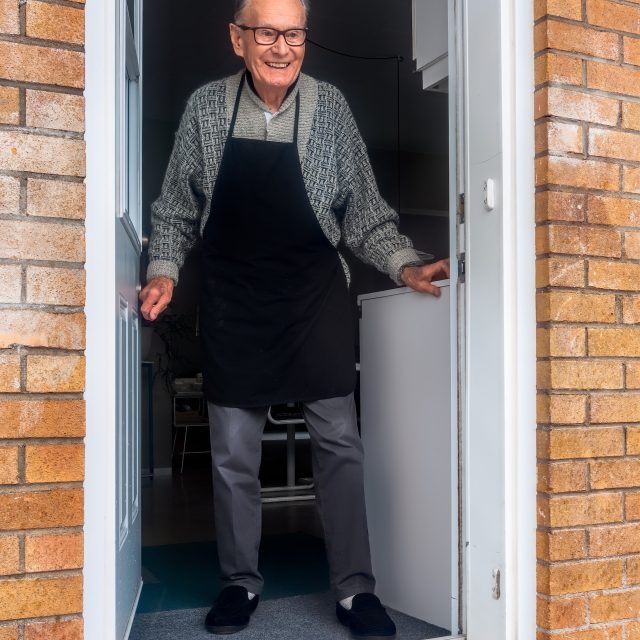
x: 186, y: 576
x: 308, y: 617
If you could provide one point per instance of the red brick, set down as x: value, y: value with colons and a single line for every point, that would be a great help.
x: 559, y: 137
x: 614, y: 541
x: 560, y: 272
x: 9, y: 17
x: 42, y: 329
x: 614, y: 79
x: 632, y: 51
x: 588, y: 442
x: 58, y: 630
x: 631, y: 179
x: 9, y: 372
x: 569, y: 511
x: 561, y: 613
x: 55, y: 374
x: 631, y: 115
x: 41, y: 597
x: 9, y: 556
x: 615, y: 474
x: 614, y: 144
x: 53, y: 552
x: 614, y: 275
x: 560, y: 579
x: 10, y: 283
x: 564, y: 8
x: 30, y: 240
x: 576, y: 105
x: 41, y: 509
x: 54, y: 463
x: 42, y: 418
x: 575, y: 307
x: 613, y: 15
x: 41, y: 154
x: 9, y: 465
x: 551, y: 67
x: 41, y: 65
x: 56, y: 199
x: 614, y: 342
x: 614, y: 606
x: 9, y: 195
x: 613, y: 211
x: 552, y: 34
x: 558, y: 205
x: 48, y: 285
x: 615, y: 408
x: 574, y: 172
x: 50, y: 110
x: 9, y: 103
x: 55, y: 22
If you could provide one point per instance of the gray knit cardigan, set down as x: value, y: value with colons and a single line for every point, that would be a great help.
x: 335, y: 168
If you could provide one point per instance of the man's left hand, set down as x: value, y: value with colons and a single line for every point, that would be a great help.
x: 420, y: 278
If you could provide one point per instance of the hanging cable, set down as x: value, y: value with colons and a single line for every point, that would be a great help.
x: 399, y: 60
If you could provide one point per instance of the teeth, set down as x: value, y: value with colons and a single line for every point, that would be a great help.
x: 277, y: 65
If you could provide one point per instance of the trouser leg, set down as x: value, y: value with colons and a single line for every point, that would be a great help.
x: 236, y: 448
x: 337, y: 458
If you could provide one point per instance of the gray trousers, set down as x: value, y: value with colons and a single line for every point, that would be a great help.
x: 337, y: 456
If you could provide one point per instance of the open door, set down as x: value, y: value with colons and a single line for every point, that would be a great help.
x: 127, y: 261
x: 411, y: 391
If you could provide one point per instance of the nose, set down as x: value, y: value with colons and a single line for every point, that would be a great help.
x: 280, y: 45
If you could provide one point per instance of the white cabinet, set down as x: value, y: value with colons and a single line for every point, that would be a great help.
x: 405, y: 386
x: 431, y: 42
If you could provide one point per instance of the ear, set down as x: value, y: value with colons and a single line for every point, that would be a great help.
x: 237, y: 41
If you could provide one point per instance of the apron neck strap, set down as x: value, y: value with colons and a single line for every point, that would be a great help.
x: 236, y: 108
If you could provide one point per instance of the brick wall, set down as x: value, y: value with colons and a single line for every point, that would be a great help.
x: 42, y: 332
x: 588, y: 275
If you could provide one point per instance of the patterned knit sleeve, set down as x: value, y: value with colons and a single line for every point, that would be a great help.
x: 369, y: 224
x: 176, y: 214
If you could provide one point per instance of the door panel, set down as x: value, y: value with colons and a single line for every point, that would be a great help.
x: 127, y: 260
x: 405, y: 390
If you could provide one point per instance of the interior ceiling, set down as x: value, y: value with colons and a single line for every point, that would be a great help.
x: 186, y: 44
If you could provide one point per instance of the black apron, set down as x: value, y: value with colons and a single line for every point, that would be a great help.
x: 275, y: 315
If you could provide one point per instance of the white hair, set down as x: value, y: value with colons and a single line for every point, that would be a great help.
x: 241, y: 5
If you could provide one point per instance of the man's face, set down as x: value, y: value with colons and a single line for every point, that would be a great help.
x: 277, y: 65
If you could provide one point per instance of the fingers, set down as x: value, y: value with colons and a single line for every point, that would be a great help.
x: 155, y: 298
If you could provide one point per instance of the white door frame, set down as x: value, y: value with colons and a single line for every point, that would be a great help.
x: 518, y: 318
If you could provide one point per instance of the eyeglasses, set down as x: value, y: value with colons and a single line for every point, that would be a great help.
x: 269, y: 36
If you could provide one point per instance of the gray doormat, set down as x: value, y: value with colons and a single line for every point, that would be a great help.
x: 309, y: 617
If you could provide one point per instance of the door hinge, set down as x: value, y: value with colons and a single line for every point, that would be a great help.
x: 495, y: 590
x: 461, y: 213
x: 462, y: 267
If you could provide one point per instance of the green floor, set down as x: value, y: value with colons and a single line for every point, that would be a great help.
x: 185, y: 576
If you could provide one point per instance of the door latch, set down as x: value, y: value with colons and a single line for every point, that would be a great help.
x: 462, y: 268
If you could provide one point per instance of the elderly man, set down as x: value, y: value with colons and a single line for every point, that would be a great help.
x: 270, y: 169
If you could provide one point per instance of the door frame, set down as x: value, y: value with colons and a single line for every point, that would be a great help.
x: 517, y: 317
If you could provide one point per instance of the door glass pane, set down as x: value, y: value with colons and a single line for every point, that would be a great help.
x: 131, y: 4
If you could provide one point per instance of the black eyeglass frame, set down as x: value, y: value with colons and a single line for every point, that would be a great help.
x: 278, y: 33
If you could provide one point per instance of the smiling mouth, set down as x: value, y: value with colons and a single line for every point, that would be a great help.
x: 278, y: 65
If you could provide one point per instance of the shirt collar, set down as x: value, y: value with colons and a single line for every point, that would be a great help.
x: 288, y: 100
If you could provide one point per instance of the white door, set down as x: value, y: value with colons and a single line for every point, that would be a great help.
x: 127, y: 261
x: 405, y: 391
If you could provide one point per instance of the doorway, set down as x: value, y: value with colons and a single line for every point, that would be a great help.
x: 366, y: 49
x: 100, y: 581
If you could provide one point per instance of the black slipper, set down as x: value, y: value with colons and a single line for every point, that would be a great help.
x: 367, y: 619
x: 231, y: 611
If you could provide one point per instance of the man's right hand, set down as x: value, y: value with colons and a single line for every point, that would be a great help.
x: 155, y: 297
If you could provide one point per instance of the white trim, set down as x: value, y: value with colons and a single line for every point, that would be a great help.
x: 519, y: 275
x: 100, y: 527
